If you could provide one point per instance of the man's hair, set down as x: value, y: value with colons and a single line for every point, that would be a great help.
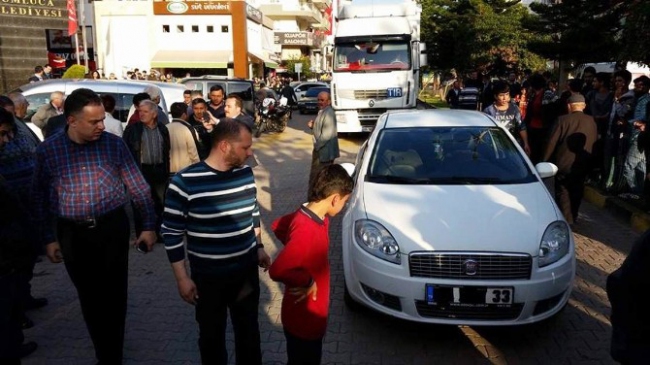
x: 78, y: 100
x: 18, y: 98
x: 589, y: 69
x: 262, y: 85
x: 197, y: 93
x: 199, y: 101
x: 150, y: 104
x: 38, y: 69
x: 5, y: 101
x: 187, y: 92
x: 575, y: 85
x: 500, y: 87
x: 604, y: 78
x: 137, y: 98
x: 109, y: 102
x: 238, y: 100
x: 47, y: 66
x: 228, y: 129
x: 153, y: 91
x: 217, y: 88
x: 178, y: 109
x: 332, y: 179
x: 645, y: 80
x: 7, y: 118
x: 625, y: 75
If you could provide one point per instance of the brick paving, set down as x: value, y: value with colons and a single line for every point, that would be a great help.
x: 161, y: 329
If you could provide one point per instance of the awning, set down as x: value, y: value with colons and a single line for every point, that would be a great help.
x: 268, y: 63
x: 191, y: 59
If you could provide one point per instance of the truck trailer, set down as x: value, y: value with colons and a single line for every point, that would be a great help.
x: 376, y: 62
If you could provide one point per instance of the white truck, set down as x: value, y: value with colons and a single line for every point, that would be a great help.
x: 376, y: 62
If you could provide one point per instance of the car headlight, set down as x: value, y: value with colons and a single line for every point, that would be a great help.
x: 555, y: 243
x: 376, y: 240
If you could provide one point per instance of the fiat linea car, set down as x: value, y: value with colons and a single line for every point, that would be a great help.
x: 449, y: 222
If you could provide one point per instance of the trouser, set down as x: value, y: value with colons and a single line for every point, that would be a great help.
x: 11, y: 333
x: 634, y: 168
x: 569, y: 190
x: 158, y: 178
x: 241, y: 294
x: 303, y: 352
x: 316, y: 166
x: 537, y: 139
x: 96, y: 259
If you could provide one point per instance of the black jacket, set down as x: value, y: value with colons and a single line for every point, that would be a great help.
x: 133, y: 138
x: 16, y: 250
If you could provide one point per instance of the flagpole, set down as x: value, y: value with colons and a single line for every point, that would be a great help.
x: 76, y: 44
x: 83, y: 32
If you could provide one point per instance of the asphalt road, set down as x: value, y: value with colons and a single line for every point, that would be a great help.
x: 161, y: 327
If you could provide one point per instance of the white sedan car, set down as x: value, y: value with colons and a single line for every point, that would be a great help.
x: 449, y: 222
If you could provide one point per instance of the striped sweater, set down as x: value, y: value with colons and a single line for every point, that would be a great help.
x: 217, y: 213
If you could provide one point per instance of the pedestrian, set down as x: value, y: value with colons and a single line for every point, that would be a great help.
x: 49, y: 110
x: 303, y: 265
x: 217, y: 104
x: 233, y: 108
x: 326, y: 143
x: 453, y: 94
x: 112, y: 124
x: 134, y: 116
x: 290, y: 94
x: 507, y: 114
x: 37, y: 76
x: 183, y: 139
x: 630, y: 317
x: 213, y: 206
x: 149, y: 144
x: 83, y: 179
x: 570, y: 148
x: 156, y: 96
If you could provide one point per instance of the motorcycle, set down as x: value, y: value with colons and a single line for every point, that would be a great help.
x: 272, y: 116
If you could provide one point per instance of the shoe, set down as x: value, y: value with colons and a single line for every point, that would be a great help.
x: 27, y: 348
x: 36, y: 303
x: 26, y: 323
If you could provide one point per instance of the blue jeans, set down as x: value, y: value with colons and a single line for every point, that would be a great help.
x: 634, y: 168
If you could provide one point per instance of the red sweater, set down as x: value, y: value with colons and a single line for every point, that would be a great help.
x: 303, y: 259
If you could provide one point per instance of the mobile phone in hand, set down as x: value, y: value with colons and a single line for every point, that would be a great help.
x: 142, y: 247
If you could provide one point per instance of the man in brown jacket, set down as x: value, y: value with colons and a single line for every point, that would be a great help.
x: 570, y: 148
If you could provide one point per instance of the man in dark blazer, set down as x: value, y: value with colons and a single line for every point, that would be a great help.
x: 570, y: 148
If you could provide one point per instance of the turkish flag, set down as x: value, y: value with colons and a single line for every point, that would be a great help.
x: 72, y: 18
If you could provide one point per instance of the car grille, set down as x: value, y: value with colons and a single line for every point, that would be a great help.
x: 469, y: 313
x: 454, y: 265
x: 380, y: 94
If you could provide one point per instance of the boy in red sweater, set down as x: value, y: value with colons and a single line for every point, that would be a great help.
x: 303, y: 265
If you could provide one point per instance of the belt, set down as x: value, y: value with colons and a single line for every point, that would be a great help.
x: 91, y: 223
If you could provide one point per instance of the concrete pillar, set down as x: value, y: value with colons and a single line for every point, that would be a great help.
x: 239, y: 39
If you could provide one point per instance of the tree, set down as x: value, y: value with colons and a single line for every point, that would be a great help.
x: 635, y: 36
x: 75, y: 72
x: 290, y: 65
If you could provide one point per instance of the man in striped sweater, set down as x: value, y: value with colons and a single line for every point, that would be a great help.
x: 213, y: 205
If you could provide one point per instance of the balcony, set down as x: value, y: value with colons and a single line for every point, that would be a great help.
x: 304, y: 11
x: 322, y: 4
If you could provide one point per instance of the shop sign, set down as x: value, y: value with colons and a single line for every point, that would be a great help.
x: 177, y: 7
x: 32, y: 8
x: 294, y: 38
x: 253, y: 14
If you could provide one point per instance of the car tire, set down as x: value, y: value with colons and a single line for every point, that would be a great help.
x: 350, y: 303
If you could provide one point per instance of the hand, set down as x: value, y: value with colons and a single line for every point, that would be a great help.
x: 53, y: 252
x: 187, y: 290
x: 148, y: 237
x: 310, y: 124
x: 303, y: 293
x: 527, y: 149
x: 263, y: 259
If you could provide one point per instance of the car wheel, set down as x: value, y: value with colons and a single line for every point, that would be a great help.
x: 350, y: 303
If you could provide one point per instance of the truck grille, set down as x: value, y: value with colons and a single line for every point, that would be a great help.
x: 486, y: 266
x: 380, y: 94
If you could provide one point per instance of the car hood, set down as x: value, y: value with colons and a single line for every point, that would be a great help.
x: 506, y: 218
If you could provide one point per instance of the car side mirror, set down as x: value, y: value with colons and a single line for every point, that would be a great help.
x: 546, y: 169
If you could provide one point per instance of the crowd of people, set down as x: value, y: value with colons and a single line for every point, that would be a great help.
x: 613, y: 154
x: 191, y: 186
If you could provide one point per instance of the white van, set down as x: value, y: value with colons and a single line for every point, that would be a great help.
x: 636, y: 69
x: 38, y: 93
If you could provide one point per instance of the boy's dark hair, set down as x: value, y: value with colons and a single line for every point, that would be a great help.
x: 78, y: 100
x: 187, y: 92
x: 332, y: 179
x: 625, y: 74
x: 38, y: 69
x: 590, y: 69
x: 604, y: 78
x: 645, y: 80
x: 228, y: 129
x: 199, y: 101
x: 178, y: 109
x: 217, y: 88
x: 109, y: 102
x: 500, y: 87
x: 575, y: 85
x: 137, y: 98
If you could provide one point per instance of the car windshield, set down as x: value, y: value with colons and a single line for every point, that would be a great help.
x: 447, y: 156
x: 314, y: 91
x: 367, y: 56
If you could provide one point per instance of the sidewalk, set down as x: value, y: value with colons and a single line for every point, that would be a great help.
x: 632, y: 214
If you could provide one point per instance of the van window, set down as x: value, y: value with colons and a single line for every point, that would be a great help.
x: 243, y: 89
x: 35, y: 101
x: 123, y: 104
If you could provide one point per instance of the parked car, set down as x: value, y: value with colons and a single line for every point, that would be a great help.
x: 449, y: 222
x: 38, y: 93
x: 309, y: 102
x: 301, y: 88
x: 244, y: 88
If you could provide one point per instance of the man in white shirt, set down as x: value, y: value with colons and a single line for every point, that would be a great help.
x: 111, y: 124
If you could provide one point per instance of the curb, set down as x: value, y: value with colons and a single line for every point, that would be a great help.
x: 638, y: 219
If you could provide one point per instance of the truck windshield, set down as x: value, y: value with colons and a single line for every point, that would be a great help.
x: 362, y: 56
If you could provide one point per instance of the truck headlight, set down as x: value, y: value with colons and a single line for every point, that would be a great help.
x: 376, y: 240
x: 555, y: 243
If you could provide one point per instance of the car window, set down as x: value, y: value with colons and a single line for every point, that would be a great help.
x: 195, y: 85
x: 314, y: 91
x: 447, y: 155
x: 35, y: 101
x: 243, y: 89
x: 123, y: 102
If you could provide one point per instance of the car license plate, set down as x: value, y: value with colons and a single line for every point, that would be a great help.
x: 394, y: 92
x: 468, y: 295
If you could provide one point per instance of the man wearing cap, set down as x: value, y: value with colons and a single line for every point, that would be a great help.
x: 156, y: 94
x: 569, y: 147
